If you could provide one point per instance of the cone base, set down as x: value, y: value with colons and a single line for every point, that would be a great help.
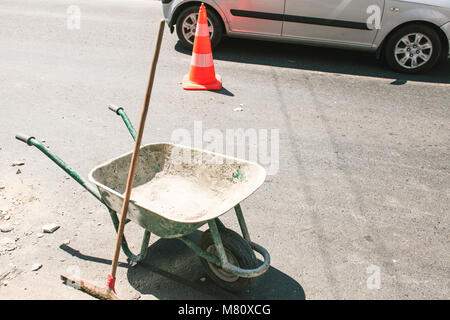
x: 189, y: 85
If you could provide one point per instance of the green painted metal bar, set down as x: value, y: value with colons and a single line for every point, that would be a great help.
x: 127, y: 122
x: 31, y: 141
x: 218, y: 242
x: 121, y: 112
x: 244, y: 273
x: 89, y: 187
x: 224, y: 263
x: 144, y: 244
x: 220, y: 224
x: 242, y: 223
x: 251, y: 273
x: 199, y: 251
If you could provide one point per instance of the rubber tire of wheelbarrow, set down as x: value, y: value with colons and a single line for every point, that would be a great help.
x: 241, y: 250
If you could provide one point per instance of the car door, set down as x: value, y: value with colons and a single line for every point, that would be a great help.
x: 347, y: 21
x: 254, y: 16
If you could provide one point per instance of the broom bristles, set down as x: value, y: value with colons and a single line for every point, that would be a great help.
x: 104, y: 293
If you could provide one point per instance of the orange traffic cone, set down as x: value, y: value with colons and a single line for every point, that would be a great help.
x: 202, y: 75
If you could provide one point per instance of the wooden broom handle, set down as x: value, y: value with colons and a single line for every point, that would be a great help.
x: 134, y: 158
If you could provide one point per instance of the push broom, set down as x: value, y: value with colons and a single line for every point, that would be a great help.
x: 109, y: 292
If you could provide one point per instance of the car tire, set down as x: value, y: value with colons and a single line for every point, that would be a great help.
x: 413, y: 49
x: 214, y: 22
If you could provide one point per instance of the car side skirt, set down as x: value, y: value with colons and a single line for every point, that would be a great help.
x: 305, y: 41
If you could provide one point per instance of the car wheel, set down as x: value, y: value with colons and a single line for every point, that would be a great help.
x: 187, y: 23
x: 413, y: 49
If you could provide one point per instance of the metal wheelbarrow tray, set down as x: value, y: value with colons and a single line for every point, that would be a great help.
x: 177, y: 190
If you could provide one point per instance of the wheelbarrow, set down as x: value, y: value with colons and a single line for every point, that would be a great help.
x: 177, y: 190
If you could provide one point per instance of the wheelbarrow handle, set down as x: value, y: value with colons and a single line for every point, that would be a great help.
x: 24, y: 138
x: 121, y: 112
x: 32, y: 141
x: 115, y: 108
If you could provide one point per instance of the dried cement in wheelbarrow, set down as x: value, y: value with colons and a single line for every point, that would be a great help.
x: 181, y: 197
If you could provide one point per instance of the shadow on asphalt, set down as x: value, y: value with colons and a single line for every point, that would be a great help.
x: 172, y: 271
x: 75, y: 253
x: 330, y: 60
x: 224, y: 91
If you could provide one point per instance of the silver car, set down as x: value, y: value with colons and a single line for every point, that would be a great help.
x: 411, y: 35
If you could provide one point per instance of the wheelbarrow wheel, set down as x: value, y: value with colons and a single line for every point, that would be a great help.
x: 239, y: 253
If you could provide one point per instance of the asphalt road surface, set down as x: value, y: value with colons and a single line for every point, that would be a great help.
x: 356, y: 207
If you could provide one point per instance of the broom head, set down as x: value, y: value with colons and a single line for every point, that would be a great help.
x: 103, y: 293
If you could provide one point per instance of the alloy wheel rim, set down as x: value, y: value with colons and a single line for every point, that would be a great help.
x: 190, y: 24
x: 413, y: 50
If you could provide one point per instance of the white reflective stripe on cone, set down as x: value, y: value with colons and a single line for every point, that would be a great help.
x: 202, y: 60
x: 202, y: 30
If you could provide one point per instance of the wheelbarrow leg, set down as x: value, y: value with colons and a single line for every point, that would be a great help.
x: 220, y: 224
x: 242, y: 223
x: 218, y: 242
x: 144, y: 245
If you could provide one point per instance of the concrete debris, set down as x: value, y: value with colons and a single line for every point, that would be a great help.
x: 50, y: 228
x: 36, y: 266
x: 18, y: 171
x: 7, y: 244
x: 240, y: 108
x: 6, y: 227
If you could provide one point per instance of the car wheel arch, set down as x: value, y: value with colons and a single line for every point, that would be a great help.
x: 187, y: 4
x: 440, y: 32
